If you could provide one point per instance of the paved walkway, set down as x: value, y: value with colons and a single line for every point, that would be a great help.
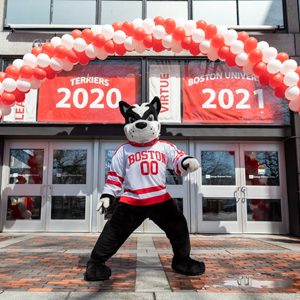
x: 51, y: 266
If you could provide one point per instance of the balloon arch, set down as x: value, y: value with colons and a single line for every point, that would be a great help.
x: 199, y: 38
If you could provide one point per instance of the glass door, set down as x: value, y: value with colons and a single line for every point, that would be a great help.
x: 23, y: 180
x: 69, y: 186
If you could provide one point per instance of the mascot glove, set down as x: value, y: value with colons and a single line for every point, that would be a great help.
x: 103, y: 204
x: 191, y: 164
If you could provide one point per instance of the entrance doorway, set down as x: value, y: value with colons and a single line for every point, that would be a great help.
x: 47, y: 186
x: 241, y: 188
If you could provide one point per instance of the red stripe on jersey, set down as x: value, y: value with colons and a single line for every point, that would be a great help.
x: 114, y: 174
x: 147, y: 201
x: 178, y: 170
x: 113, y: 182
x: 147, y: 190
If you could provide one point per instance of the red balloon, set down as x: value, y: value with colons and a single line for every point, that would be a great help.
x: 26, y: 71
x: 87, y: 35
x: 276, y: 80
x: 158, y: 20
x: 223, y: 52
x: 109, y: 47
x: 8, y: 98
x: 282, y: 56
x: 83, y: 58
x: 50, y: 74
x: 250, y: 44
x: 128, y: 28
x: 48, y: 49
x: 72, y: 57
x: 148, y: 41
x: 186, y: 43
x: 179, y: 33
x: 157, y: 45
x: 76, y: 33
x: 117, y: 25
x: 260, y: 69
x: 280, y: 91
x: 264, y: 79
x: 243, y: 36
x: 230, y: 59
x: 194, y: 48
x: 60, y: 51
x: 2, y: 76
x: 201, y: 24
x: 99, y: 40
x: 36, y: 51
x: 255, y: 56
x: 217, y: 41
x: 12, y: 72
x: 210, y: 31
x: 19, y: 96
x: 120, y: 49
x: 169, y: 25
x: 39, y: 73
x: 139, y: 33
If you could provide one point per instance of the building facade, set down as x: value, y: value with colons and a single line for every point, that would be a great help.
x: 57, y: 146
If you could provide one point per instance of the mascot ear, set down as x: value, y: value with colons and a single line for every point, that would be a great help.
x: 123, y: 106
x: 156, y: 104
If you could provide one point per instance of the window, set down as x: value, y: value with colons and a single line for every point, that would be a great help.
x: 167, y: 9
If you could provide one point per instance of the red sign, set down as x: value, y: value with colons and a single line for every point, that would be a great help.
x: 90, y: 94
x: 215, y: 93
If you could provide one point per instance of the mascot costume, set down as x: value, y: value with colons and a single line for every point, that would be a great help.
x: 138, y: 170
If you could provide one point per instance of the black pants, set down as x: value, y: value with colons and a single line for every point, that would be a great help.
x: 126, y: 218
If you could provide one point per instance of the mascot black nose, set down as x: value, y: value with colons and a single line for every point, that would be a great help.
x: 141, y: 125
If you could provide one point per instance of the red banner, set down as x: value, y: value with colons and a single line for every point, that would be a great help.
x: 90, y: 94
x: 214, y: 93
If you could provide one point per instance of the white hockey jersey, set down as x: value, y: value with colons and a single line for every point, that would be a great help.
x: 141, y: 170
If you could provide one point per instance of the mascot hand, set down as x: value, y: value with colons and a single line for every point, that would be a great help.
x: 103, y: 204
x: 190, y: 164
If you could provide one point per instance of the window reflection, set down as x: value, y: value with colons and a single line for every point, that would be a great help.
x: 26, y: 166
x: 69, y: 166
x: 262, y: 168
x: 264, y: 210
x: 68, y: 208
x: 218, y: 167
x: 219, y: 209
x: 23, y: 208
x: 167, y: 9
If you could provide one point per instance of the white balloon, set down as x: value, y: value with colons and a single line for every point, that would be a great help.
x: 55, y: 41
x: 212, y: 53
x: 167, y: 41
x: 237, y: 47
x: 56, y: 64
x: 23, y: 85
x: 180, y: 22
x: 241, y: 59
x: 287, y: 66
x: 119, y: 37
x: 128, y: 44
x: 176, y: 46
x: 30, y: 60
x: 198, y: 35
x: 138, y: 22
x: 9, y: 84
x: 294, y: 105
x: 221, y: 29
x: 108, y: 31
x: 5, y: 109
x: 43, y: 60
x: 101, y: 53
x: 148, y: 25
x: 68, y: 66
x: 204, y: 46
x: 262, y: 45
x: 35, y: 83
x: 90, y: 51
x: 274, y: 66
x: 292, y: 93
x: 1, y: 88
x: 189, y: 26
x: 79, y: 44
x: 159, y: 32
x: 269, y: 54
x: 248, y: 68
x: 230, y: 36
x: 18, y: 63
x: 291, y: 78
x: 139, y: 46
x: 96, y: 29
x: 67, y: 40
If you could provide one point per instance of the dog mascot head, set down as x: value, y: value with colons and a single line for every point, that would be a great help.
x: 141, y: 121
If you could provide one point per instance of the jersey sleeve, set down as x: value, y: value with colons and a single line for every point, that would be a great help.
x: 115, y: 176
x: 175, y: 157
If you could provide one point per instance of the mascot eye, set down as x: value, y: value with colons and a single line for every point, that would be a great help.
x: 150, y: 118
x: 131, y: 119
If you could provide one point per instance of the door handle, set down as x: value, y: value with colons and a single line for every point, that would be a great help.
x: 243, y: 191
x: 237, y: 198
